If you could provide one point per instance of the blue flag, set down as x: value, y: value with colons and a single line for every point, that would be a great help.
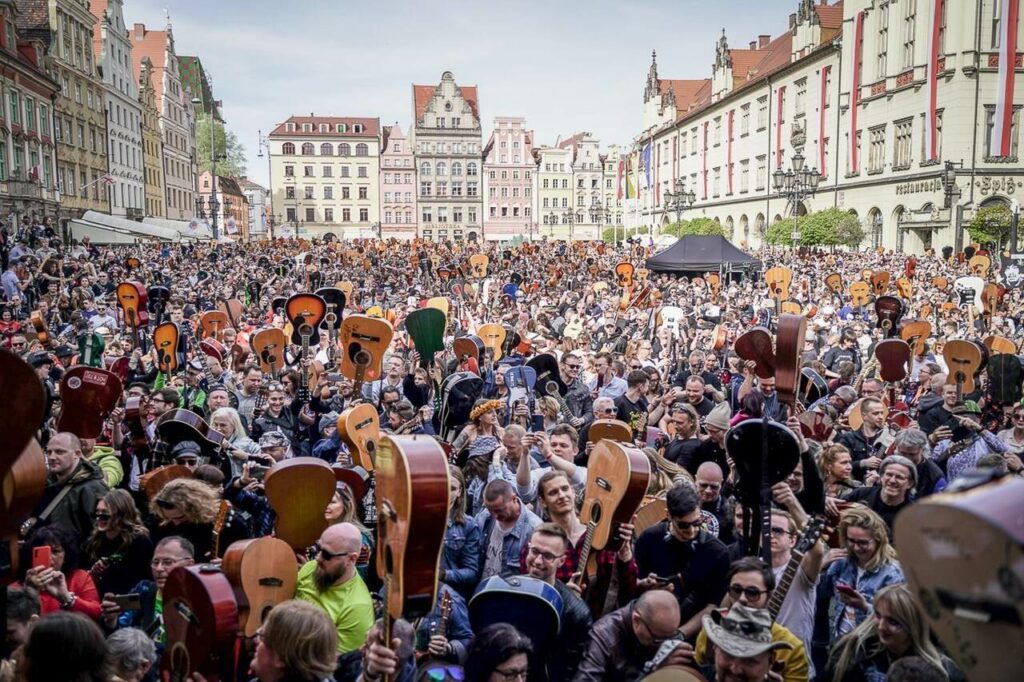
x: 645, y: 159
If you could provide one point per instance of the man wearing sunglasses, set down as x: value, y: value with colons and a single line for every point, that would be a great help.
x: 331, y: 582
x: 751, y: 583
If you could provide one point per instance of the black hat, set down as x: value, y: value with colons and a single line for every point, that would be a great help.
x: 186, y: 447
x: 40, y: 358
x: 64, y: 351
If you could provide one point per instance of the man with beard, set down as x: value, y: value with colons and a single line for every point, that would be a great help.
x: 332, y: 583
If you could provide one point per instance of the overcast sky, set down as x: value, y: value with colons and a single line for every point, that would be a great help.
x: 565, y: 65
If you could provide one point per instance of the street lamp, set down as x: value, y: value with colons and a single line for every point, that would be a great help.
x: 263, y: 143
x: 795, y: 185
x: 570, y: 217
x: 680, y: 199
x: 213, y: 157
x: 552, y: 219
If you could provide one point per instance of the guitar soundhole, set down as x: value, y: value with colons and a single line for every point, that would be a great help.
x: 305, y: 329
x: 595, y: 512
x: 360, y: 356
x: 180, y: 661
x: 271, y: 582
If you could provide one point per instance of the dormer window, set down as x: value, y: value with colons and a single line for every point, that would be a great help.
x: 357, y: 128
x: 342, y: 128
x: 325, y: 128
x: 307, y: 127
x: 289, y: 127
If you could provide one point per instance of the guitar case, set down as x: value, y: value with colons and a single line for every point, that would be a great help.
x: 530, y: 605
x: 1005, y: 374
x: 458, y: 393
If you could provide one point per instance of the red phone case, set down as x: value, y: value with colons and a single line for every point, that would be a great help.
x: 42, y: 556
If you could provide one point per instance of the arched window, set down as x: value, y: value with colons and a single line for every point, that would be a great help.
x: 875, y: 227
x: 425, y: 168
x: 327, y: 149
x: 456, y: 169
x: 308, y: 149
x: 442, y: 168
x: 344, y: 149
x: 288, y: 148
x: 362, y: 150
x: 471, y: 168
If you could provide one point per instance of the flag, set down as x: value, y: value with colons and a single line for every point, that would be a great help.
x: 621, y: 173
x: 931, y: 150
x: 630, y: 184
x: 645, y: 159
x: 999, y: 142
x: 108, y: 179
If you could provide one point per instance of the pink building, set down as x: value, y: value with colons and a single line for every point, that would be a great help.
x: 397, y: 186
x: 508, y: 180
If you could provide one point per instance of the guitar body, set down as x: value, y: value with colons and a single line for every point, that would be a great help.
x: 756, y: 345
x: 834, y: 282
x: 426, y: 328
x: 359, y: 429
x: 153, y: 481
x: 1000, y: 344
x: 778, y: 280
x: 88, y: 395
x: 617, y: 478
x: 813, y: 386
x: 201, y: 619
x: 233, y: 309
x: 493, y: 337
x: 269, y: 345
x: 905, y: 288
x: 305, y: 312
x: 529, y: 604
x: 790, y: 308
x: 20, y: 418
x: 157, y: 299
x: 299, y: 490
x: 213, y: 323
x: 42, y: 331
x: 364, y: 340
x: 263, y: 573
x: 894, y: 357
x: 132, y: 298
x: 611, y: 429
x: 880, y: 282
x: 177, y: 425
x: 1004, y: 378
x: 859, y: 293
x: 165, y: 340
x: 469, y: 347
x: 134, y: 416
x: 743, y: 443
x: 624, y: 272
x: 439, y: 303
x: 792, y: 330
x: 889, y: 311
x: 916, y: 333
x: 412, y: 474
x: 963, y: 555
x: 335, y: 299
x: 674, y: 673
x: 479, y: 263
x: 652, y: 511
x: 964, y: 359
x: 546, y: 367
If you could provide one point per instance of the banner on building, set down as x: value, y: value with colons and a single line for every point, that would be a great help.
x: 1000, y: 140
x: 231, y: 225
x: 645, y: 159
x: 931, y: 144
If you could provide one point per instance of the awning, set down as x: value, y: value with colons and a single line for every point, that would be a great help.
x: 141, y: 230
x: 197, y: 230
x: 103, y: 234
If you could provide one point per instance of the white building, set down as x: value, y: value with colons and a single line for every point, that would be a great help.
x: 508, y: 180
x: 259, y: 207
x: 856, y: 87
x: 554, y: 190
x: 124, y: 113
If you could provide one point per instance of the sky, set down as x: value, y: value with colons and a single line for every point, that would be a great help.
x: 564, y: 65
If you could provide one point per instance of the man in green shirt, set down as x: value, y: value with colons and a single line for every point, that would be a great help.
x: 332, y: 583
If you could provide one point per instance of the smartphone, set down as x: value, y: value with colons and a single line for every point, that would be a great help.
x: 258, y: 473
x: 128, y: 602
x: 41, y: 556
x: 846, y: 589
x: 537, y: 423
x: 663, y: 580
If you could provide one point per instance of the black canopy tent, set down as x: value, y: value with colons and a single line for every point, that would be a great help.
x: 698, y: 254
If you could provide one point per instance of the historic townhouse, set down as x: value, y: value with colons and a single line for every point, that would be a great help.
x: 152, y: 144
x: 397, y: 185
x: 177, y: 119
x: 613, y: 193
x: 113, y: 52
x: 325, y: 172
x: 27, y: 151
x: 79, y: 122
x: 587, y: 213
x: 874, y: 95
x: 508, y: 180
x: 258, y: 199
x: 446, y: 144
x: 555, y: 190
x: 233, y: 214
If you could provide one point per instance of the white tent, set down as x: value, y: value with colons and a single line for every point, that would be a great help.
x: 183, y: 227
x: 140, y: 230
x: 100, y: 234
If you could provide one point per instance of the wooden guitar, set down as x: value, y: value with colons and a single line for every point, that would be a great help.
x: 201, y: 619
x: 880, y: 282
x: 213, y: 323
x: 479, y: 263
x: 88, y: 395
x: 177, y: 425
x: 617, y: 478
x: 263, y: 573
x: 42, y: 330
x: 131, y: 297
x: 305, y: 312
x: 624, y: 274
x: 916, y: 333
x: 493, y: 337
x: 611, y: 429
x: 135, y: 417
x: 778, y: 280
x: 268, y: 345
x: 299, y: 489
x: 810, y: 534
x: 860, y: 293
x: 964, y: 360
x: 364, y: 340
x: 165, y: 340
x: 158, y: 298
x: 756, y: 345
x: 889, y: 311
x: 412, y: 474
x: 359, y: 429
x: 792, y: 331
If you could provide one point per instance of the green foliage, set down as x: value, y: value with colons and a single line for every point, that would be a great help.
x: 830, y: 227
x: 780, y: 233
x: 230, y: 153
x: 849, y: 232
x: 990, y: 225
x: 697, y: 226
x: 610, y: 235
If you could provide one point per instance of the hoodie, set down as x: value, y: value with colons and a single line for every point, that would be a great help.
x: 76, y: 509
x: 109, y: 465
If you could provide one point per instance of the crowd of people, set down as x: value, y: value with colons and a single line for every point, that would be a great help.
x: 683, y: 589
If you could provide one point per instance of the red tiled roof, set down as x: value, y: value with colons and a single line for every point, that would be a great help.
x: 572, y: 141
x: 775, y: 55
x: 685, y: 91
x: 98, y: 7
x: 33, y: 14
x: 371, y: 126
x: 422, y: 94
x: 830, y: 16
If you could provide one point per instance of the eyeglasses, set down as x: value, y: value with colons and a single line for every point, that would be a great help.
x: 1018, y: 417
x: 607, y: 410
x: 444, y: 672
x: 858, y: 543
x: 572, y: 367
x: 635, y: 366
x: 164, y: 504
x: 657, y: 641
x: 513, y: 674
x: 779, y: 531
x: 101, y: 516
x: 735, y: 591
x: 546, y: 556
x: 709, y: 486
x: 685, y: 525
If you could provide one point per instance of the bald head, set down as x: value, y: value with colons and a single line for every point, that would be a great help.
x: 660, y: 609
x: 341, y: 538
x: 709, y: 481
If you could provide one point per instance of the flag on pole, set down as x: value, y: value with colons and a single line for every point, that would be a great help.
x: 630, y: 188
x: 108, y: 179
x: 645, y: 159
x: 931, y: 147
x: 999, y: 142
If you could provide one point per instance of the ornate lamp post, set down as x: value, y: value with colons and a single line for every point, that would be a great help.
x: 570, y: 217
x: 262, y: 144
x: 795, y: 185
x: 680, y: 200
x: 552, y: 219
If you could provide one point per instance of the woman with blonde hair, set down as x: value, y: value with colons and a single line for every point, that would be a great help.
x: 856, y: 573
x: 187, y: 507
x: 227, y: 423
x: 836, y: 467
x: 897, y: 629
x: 460, y: 557
x: 483, y: 421
x: 119, y: 549
x: 297, y: 643
x: 548, y: 407
x: 343, y: 509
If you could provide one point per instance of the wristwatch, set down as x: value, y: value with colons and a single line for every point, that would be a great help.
x: 69, y: 602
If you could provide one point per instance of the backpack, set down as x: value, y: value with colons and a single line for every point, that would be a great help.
x: 458, y: 393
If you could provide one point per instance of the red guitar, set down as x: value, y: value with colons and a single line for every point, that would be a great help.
x: 201, y: 619
x: 88, y: 395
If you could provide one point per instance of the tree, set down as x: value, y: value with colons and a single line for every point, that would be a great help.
x: 698, y: 226
x: 611, y: 235
x: 829, y: 227
x: 990, y: 224
x: 780, y: 232
x: 849, y: 232
x: 230, y: 153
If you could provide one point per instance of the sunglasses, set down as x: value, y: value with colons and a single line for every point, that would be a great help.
x: 101, y: 516
x: 683, y: 525
x: 735, y: 591
x: 318, y: 549
x: 445, y: 672
x: 779, y: 531
x: 164, y: 504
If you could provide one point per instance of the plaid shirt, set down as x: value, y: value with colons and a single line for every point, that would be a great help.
x: 607, y: 560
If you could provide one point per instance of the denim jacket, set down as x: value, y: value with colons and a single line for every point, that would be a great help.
x: 512, y: 544
x: 475, y: 487
x: 845, y: 571
x: 460, y: 559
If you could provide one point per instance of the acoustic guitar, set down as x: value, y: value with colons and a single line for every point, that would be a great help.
x: 153, y: 481
x: 624, y: 274
x: 834, y: 282
x: 88, y: 395
x: 213, y: 323
x: 177, y: 425
x: 359, y: 429
x: 916, y: 333
x: 905, y: 288
x: 131, y: 297
x: 493, y: 337
x: 964, y: 360
x: 778, y: 280
x: 999, y: 344
x: 880, y: 282
x: 299, y: 490
x: 135, y: 418
x: 263, y: 573
x: 611, y: 429
x: 412, y: 474
x: 859, y: 294
x: 889, y: 311
x: 42, y: 330
x: 364, y: 340
x: 980, y: 265
x: 479, y: 263
x: 305, y: 312
x: 791, y: 334
x: 756, y: 345
x: 268, y: 345
x: 426, y: 327
x: 962, y: 553
x: 201, y: 620
x: 617, y: 478
x: 165, y: 340
x: 157, y: 299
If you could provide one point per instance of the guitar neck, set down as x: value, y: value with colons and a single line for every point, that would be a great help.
x: 782, y: 588
x: 303, y: 392
x: 584, y: 555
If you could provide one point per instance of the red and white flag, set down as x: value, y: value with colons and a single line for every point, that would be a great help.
x: 999, y: 143
x: 931, y: 135
x: 108, y: 179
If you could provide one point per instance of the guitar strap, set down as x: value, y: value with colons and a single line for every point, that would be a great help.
x: 57, y: 499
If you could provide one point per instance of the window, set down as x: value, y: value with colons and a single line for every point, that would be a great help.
x: 3, y: 160
x: 328, y: 192
x: 289, y: 171
x: 307, y: 127
x: 78, y: 92
x: 938, y: 137
x: 307, y: 171
x: 344, y: 171
x: 346, y: 192
x: 800, y: 101
x: 456, y: 169
x: 364, y: 215
x: 308, y: 192
x: 362, y: 149
x: 326, y: 149
x: 761, y: 179
x: 346, y: 215
x: 427, y: 215
x: 744, y: 121
x: 997, y: 18
x: 291, y: 214
x: 876, y: 152
x: 289, y: 192
x: 387, y: 197
x: 442, y: 168
x: 325, y: 128
x: 456, y: 122
x: 328, y: 215
x: 341, y: 128
x: 310, y: 215
x: 30, y: 113
x: 717, y: 139
x: 716, y: 180
x: 903, y: 148
x: 387, y: 217
x: 425, y: 168
x: 288, y: 148
x: 15, y: 101
x: 344, y: 149
x: 308, y: 149
x: 471, y: 169
x: 494, y: 212
x: 425, y: 189
x: 363, y: 192
x: 545, y: 183
x: 327, y: 171
x: 471, y: 188
x: 883, y: 41
x: 744, y: 176
x: 909, y: 14
x: 990, y: 115
x: 456, y: 189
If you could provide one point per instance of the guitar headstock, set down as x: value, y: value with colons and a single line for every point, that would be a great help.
x: 814, y: 529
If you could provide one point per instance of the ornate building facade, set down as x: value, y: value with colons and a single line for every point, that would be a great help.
x: 508, y: 175
x: 152, y: 144
x: 555, y: 190
x: 446, y: 143
x: 397, y: 185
